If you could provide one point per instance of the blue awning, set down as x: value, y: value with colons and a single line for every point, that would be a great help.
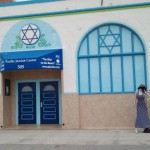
x: 24, y: 60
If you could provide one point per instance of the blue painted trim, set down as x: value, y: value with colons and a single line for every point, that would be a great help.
x: 110, y: 73
x: 77, y: 73
x: 107, y: 93
x: 89, y: 75
x: 112, y: 55
x: 145, y: 69
x: 78, y: 76
x: 133, y: 61
x: 110, y: 61
x: 71, y: 12
x: 16, y: 87
x: 38, y: 98
x: 60, y: 102
x: 38, y: 108
x: 99, y: 61
x: 121, y: 51
x: 26, y: 2
x: 146, y: 72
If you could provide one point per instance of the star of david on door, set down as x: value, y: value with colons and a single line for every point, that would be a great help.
x: 30, y: 34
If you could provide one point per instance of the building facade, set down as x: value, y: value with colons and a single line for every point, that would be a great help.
x: 72, y: 64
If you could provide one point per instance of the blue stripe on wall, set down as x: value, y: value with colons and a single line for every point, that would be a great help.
x: 72, y: 12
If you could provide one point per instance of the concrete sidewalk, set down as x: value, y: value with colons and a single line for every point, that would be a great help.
x: 65, y: 139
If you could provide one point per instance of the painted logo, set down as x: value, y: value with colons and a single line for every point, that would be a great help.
x: 30, y: 34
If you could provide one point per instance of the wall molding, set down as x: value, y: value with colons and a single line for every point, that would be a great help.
x: 75, y: 12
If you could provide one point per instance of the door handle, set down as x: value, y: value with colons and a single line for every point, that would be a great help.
x: 41, y: 104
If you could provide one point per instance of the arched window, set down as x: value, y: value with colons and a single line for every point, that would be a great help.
x: 111, y: 59
x: 27, y: 89
x: 49, y: 88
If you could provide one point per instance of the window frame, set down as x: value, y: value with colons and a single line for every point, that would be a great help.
x: 120, y: 55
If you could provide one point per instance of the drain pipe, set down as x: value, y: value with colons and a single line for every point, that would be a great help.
x: 101, y: 2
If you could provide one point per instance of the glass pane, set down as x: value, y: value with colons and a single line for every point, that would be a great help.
x: 137, y: 45
x: 103, y: 30
x: 116, y: 50
x: 83, y: 48
x: 83, y: 76
x: 104, y: 50
x: 128, y: 74
x: 27, y: 89
x: 93, y: 43
x: 105, y: 75
x: 109, y: 41
x: 49, y: 88
x: 126, y: 41
x: 94, y: 75
x: 139, y: 70
x: 115, y: 29
x: 116, y: 74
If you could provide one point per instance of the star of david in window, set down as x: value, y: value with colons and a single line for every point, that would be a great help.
x: 110, y: 40
x: 30, y: 34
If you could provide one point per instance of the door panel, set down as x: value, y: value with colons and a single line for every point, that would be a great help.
x: 27, y: 103
x: 49, y: 102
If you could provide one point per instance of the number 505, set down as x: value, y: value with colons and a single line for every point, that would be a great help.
x: 20, y: 66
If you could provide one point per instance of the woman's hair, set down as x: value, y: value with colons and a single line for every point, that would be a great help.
x: 142, y: 88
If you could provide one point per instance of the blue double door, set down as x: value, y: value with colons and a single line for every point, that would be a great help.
x: 28, y: 101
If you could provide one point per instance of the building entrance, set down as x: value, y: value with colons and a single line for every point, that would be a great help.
x: 38, y: 101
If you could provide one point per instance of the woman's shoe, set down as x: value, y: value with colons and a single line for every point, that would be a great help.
x: 147, y: 130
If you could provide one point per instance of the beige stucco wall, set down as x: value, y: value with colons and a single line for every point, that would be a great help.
x: 107, y: 111
x: 100, y: 111
x: 7, y: 103
x: 70, y: 111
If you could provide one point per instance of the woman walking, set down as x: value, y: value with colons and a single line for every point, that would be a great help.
x: 142, y: 119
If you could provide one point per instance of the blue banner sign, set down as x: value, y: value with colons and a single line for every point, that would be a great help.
x: 25, y: 60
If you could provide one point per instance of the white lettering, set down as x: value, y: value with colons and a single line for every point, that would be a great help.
x: 20, y: 66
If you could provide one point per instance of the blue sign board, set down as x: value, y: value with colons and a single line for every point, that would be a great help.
x: 24, y: 60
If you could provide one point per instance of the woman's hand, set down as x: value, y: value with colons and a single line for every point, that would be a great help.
x: 148, y: 96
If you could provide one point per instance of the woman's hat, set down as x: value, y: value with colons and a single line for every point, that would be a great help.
x: 142, y: 86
